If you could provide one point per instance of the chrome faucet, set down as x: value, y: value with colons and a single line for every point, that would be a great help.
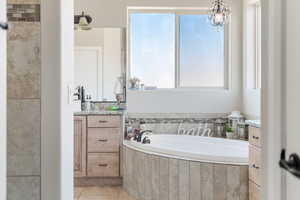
x: 139, y: 135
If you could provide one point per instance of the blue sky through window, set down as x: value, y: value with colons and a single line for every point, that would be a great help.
x: 152, y: 53
x: 153, y: 49
x: 201, y: 53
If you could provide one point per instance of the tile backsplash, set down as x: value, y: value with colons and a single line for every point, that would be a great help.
x: 24, y: 101
x: 23, y: 12
x: 188, y: 124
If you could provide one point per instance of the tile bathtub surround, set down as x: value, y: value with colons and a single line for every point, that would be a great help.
x: 23, y: 188
x: 24, y: 115
x: 23, y: 139
x: 24, y: 60
x: 192, y: 124
x: 23, y: 12
x: 23, y: 1
x: 175, y: 179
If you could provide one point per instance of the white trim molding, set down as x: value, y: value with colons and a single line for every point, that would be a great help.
x: 3, y: 104
x: 178, y: 12
x: 272, y: 137
x: 56, y: 108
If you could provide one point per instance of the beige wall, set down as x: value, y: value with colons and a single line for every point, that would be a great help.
x: 113, y: 14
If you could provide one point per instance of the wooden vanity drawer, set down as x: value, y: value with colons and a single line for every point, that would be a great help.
x: 254, y: 191
x: 104, y: 121
x: 103, y: 165
x: 255, y: 136
x: 103, y: 140
x: 254, y: 165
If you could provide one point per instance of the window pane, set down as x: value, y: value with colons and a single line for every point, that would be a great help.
x: 152, y: 53
x: 201, y: 53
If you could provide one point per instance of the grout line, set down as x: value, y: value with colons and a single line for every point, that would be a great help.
x: 22, y: 176
x: 23, y: 98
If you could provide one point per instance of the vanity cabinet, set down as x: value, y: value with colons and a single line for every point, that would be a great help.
x: 254, y: 163
x: 80, y: 146
x: 97, y: 146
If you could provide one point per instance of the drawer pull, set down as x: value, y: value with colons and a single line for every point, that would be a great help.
x: 103, y: 165
x: 102, y: 121
x: 102, y: 140
x: 255, y: 167
x: 255, y: 137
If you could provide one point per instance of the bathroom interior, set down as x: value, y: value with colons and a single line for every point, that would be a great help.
x: 167, y: 99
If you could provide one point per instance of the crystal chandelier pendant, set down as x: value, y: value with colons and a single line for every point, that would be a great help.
x: 219, y: 14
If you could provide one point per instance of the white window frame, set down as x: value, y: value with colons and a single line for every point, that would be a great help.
x: 256, y: 4
x: 180, y: 11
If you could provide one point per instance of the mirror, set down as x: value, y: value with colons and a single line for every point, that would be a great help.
x: 99, y: 63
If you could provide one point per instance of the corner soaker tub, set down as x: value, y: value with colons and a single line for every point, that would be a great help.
x: 181, y: 167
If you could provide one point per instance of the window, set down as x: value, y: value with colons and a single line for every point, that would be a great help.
x: 153, y: 49
x: 176, y: 50
x: 254, y: 46
x: 201, y: 53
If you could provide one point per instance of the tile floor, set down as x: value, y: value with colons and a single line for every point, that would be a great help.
x: 101, y: 193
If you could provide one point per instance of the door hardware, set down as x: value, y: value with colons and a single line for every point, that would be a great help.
x: 3, y: 26
x: 292, y: 165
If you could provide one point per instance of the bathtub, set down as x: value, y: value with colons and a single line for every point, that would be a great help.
x: 177, y: 167
x: 196, y: 148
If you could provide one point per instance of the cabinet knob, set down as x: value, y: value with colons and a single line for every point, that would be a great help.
x: 255, y: 167
x: 3, y: 25
x: 255, y: 137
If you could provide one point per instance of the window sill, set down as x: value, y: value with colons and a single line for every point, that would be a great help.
x: 196, y: 89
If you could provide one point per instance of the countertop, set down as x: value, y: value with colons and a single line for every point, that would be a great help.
x: 101, y: 112
x: 254, y: 123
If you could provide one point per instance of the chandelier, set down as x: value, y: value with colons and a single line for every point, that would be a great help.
x: 219, y: 13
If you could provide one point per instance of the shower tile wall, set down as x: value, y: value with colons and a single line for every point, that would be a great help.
x: 24, y: 114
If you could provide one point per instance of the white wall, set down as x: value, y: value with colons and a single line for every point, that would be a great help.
x: 57, y: 94
x: 113, y: 14
x: 251, y: 97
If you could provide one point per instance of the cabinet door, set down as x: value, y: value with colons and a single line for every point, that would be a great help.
x: 255, y: 165
x: 254, y: 191
x: 80, y: 146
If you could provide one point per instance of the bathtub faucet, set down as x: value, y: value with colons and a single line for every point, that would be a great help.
x: 138, y: 136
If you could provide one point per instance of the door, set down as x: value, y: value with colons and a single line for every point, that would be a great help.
x: 88, y: 71
x: 2, y: 99
x: 292, y: 88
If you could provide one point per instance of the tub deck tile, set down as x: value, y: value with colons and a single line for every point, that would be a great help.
x: 140, y: 158
x: 233, y: 182
x: 164, y: 178
x: 155, y: 177
x: 184, y: 183
x: 148, y: 175
x: 207, y: 188
x: 152, y: 177
x: 244, y: 181
x: 173, y: 179
x: 220, y: 182
x: 195, y: 181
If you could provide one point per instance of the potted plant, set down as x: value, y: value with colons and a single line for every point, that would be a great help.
x: 229, y: 133
x: 134, y: 83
